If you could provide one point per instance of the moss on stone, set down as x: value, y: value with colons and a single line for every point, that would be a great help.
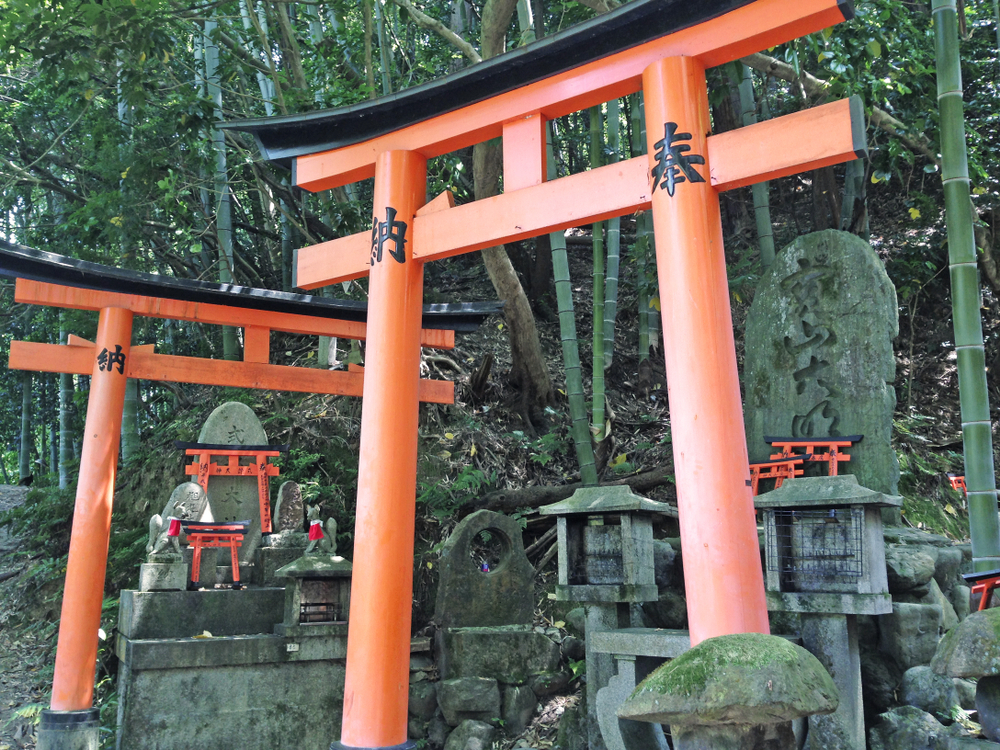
x: 691, y: 672
x: 748, y: 678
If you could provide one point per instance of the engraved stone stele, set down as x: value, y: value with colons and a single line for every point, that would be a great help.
x: 235, y: 498
x: 289, y: 512
x: 288, y: 540
x: 819, y: 358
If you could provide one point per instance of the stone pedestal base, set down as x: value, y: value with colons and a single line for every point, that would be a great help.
x: 69, y: 730
x: 833, y: 639
x: 160, y: 576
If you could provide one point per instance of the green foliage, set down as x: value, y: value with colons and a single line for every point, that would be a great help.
x: 928, y: 500
x: 542, y: 450
x: 442, y: 498
x: 42, y: 522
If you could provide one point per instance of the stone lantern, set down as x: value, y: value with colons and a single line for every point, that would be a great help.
x: 825, y: 559
x: 605, y: 538
x: 317, y: 596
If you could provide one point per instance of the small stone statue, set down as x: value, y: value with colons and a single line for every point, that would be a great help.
x: 187, y: 503
x: 327, y: 542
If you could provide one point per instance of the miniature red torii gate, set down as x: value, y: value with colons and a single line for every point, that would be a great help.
x: 111, y: 360
x: 679, y: 180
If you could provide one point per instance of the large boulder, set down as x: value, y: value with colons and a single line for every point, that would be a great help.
x: 971, y: 649
x: 469, y: 698
x: 880, y: 678
x: 931, y: 692
x: 519, y: 704
x: 910, y: 633
x: 908, y: 567
x: 471, y: 735
x: 947, y: 568
x: 909, y: 728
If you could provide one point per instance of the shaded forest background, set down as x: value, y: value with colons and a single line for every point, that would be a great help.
x: 109, y: 152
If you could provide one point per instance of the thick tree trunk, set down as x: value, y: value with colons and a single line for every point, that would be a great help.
x: 508, y: 501
x: 528, y: 369
x: 24, y: 457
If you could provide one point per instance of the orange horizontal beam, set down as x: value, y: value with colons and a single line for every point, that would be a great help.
x: 810, y: 139
x: 75, y: 298
x: 797, y: 142
x: 142, y: 365
x: 736, y: 34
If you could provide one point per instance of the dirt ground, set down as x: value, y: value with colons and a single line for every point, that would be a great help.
x: 18, y: 684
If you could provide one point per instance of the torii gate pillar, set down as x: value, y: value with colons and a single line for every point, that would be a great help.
x: 72, y: 721
x: 722, y: 573
x: 377, y: 684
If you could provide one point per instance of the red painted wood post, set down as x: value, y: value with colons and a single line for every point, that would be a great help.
x: 376, y: 689
x: 76, y: 651
x: 722, y: 571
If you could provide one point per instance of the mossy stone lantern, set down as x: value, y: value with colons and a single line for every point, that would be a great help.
x: 825, y: 559
x: 605, y: 537
x: 824, y: 548
x: 317, y: 595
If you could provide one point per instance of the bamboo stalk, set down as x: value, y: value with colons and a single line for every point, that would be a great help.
x: 579, y: 426
x: 597, y: 411
x: 984, y: 526
x: 761, y: 199
x: 614, y: 245
x: 640, y: 249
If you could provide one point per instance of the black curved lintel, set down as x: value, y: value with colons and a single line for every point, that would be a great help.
x: 17, y: 261
x: 282, y: 138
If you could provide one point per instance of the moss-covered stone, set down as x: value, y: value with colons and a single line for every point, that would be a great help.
x: 748, y: 678
x: 971, y: 648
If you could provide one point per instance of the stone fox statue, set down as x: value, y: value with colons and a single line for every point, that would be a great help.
x: 327, y: 541
x: 187, y: 503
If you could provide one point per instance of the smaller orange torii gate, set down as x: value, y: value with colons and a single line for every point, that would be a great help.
x: 111, y: 359
x: 659, y: 47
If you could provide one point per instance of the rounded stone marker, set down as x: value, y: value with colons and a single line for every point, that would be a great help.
x: 972, y: 649
x: 720, y: 690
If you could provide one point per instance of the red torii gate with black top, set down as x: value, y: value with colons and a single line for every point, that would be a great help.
x: 117, y: 295
x: 663, y: 48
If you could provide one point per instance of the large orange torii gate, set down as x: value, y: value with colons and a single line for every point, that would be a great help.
x: 661, y: 47
x: 111, y: 359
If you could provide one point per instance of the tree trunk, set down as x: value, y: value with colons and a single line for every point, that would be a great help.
x: 65, y: 426
x: 508, y: 501
x: 973, y: 395
x: 223, y: 206
x: 24, y: 455
x: 130, y: 421
x: 528, y: 368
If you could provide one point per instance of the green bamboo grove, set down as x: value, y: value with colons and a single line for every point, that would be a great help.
x: 965, y: 296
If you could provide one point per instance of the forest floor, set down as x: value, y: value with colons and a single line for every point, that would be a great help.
x: 21, y: 690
